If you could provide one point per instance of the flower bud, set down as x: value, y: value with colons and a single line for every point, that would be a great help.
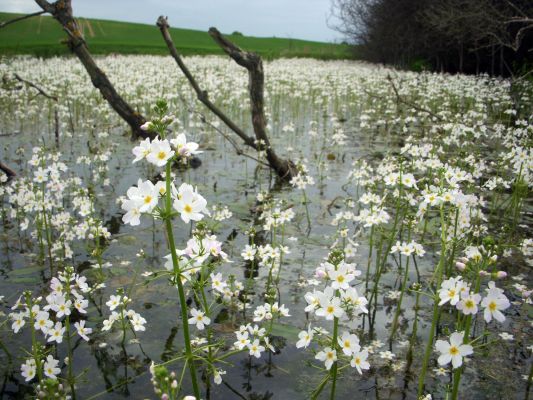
x: 320, y: 273
x: 460, y: 266
x: 501, y: 274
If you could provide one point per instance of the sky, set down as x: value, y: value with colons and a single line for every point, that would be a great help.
x: 296, y: 19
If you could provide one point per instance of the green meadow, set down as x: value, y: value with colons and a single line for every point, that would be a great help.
x: 42, y: 36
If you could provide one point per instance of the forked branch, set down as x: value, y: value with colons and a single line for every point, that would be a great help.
x: 253, y: 63
x: 200, y: 94
x: 33, y: 85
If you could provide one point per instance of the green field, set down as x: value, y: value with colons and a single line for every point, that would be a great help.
x: 42, y: 36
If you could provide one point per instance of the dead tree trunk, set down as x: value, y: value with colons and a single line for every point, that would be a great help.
x: 61, y: 10
x: 253, y: 63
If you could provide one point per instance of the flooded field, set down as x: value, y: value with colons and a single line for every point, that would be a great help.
x: 409, y: 223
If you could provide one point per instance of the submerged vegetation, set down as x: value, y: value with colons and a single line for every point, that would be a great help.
x: 394, y: 264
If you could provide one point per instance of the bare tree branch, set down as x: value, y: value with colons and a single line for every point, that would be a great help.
x: 204, y: 120
x: 256, y: 79
x: 409, y: 103
x: 200, y: 94
x: 11, y: 21
x: 284, y: 168
x: 61, y: 10
x: 33, y: 85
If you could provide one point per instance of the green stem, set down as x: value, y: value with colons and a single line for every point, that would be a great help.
x: 334, y: 366
x: 181, y: 291
x: 436, y: 309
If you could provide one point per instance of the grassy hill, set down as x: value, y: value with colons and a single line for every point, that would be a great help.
x: 41, y: 36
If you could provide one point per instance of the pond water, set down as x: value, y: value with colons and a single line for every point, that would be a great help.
x: 330, y: 114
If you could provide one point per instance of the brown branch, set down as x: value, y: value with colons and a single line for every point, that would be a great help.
x: 33, y: 85
x: 11, y: 21
x: 410, y: 104
x: 284, y: 168
x: 238, y: 150
x: 256, y: 78
x: 200, y: 94
x: 8, y: 171
x: 61, y: 10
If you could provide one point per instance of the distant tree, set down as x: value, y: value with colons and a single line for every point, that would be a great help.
x: 494, y: 36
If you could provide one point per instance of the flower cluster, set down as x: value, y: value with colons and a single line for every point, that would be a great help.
x: 339, y: 300
x: 52, y: 319
x: 126, y: 317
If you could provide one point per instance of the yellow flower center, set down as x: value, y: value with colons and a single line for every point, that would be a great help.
x: 330, y: 309
x: 357, y: 360
x: 161, y: 155
x: 454, y: 351
x: 492, y: 306
x: 469, y: 303
x: 346, y: 343
x: 147, y: 199
x: 187, y: 208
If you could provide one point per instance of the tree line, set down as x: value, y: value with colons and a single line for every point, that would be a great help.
x: 469, y: 36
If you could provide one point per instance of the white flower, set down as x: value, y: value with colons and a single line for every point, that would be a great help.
x: 184, y: 149
x: 305, y: 338
x: 217, y: 376
x: 61, y: 307
x: 190, y: 205
x: 18, y: 321
x: 506, y: 336
x: 217, y: 283
x: 145, y: 195
x: 450, y: 290
x: 43, y: 322
x: 142, y: 150
x: 330, y: 307
x: 50, y: 367
x: 199, y: 318
x: 255, y: 348
x: 137, y: 322
x: 328, y: 356
x: 133, y: 212
x: 160, y: 152
x: 114, y: 302
x: 359, y: 361
x: 28, y: 369
x: 82, y: 330
x: 56, y: 333
x: 242, y: 340
x: 494, y: 303
x: 341, y: 277
x: 359, y: 303
x: 249, y: 252
x: 468, y: 303
x: 349, y: 343
x: 387, y: 355
x: 454, y: 350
